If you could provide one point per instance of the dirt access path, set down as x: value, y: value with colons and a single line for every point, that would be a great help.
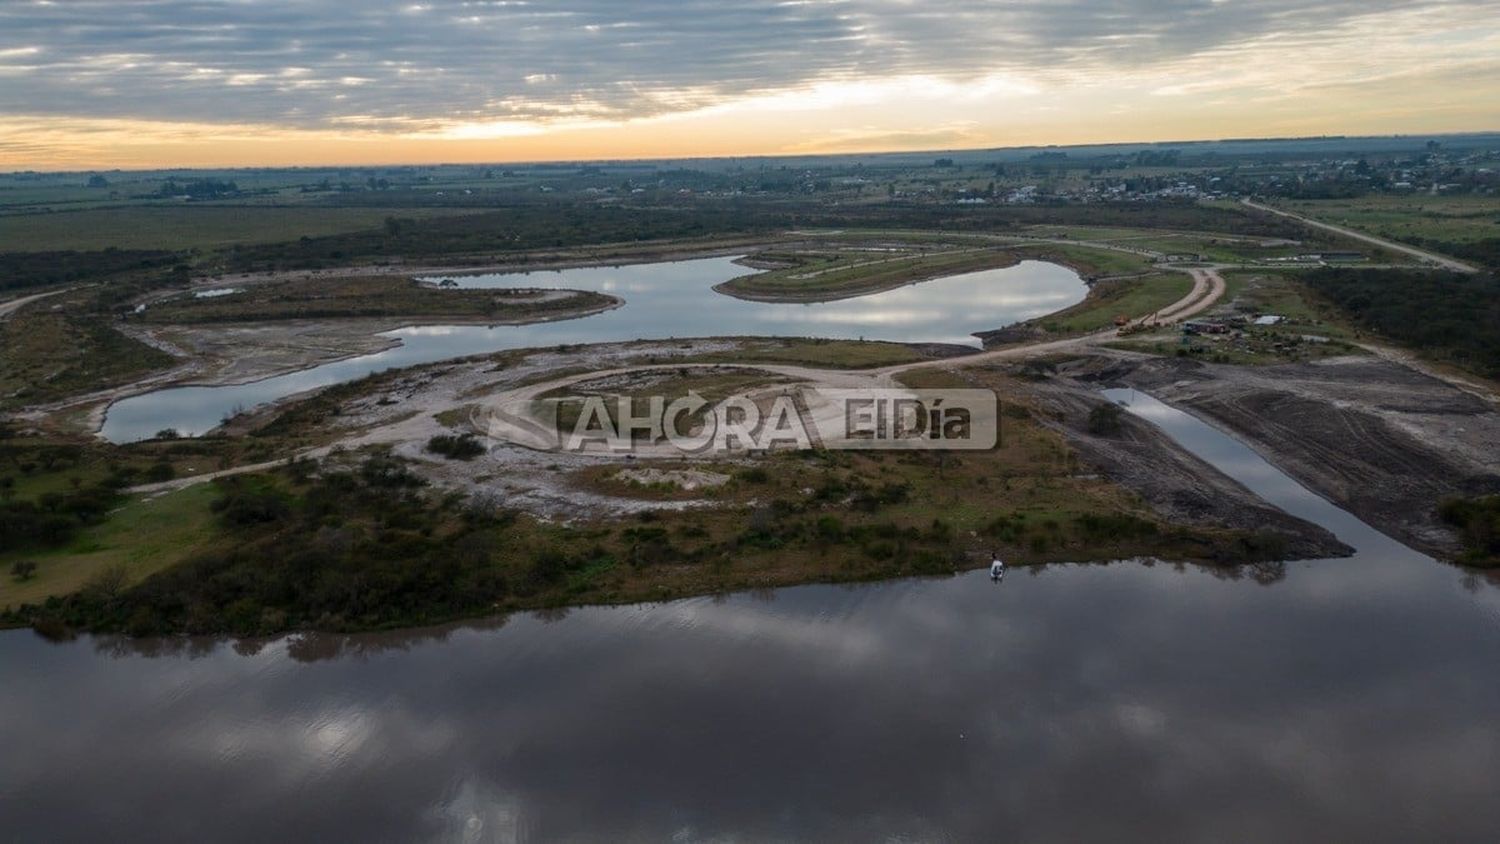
x: 1441, y: 260
x: 1208, y: 289
x: 8, y: 308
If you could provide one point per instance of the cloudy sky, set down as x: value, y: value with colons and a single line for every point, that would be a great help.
x: 197, y: 82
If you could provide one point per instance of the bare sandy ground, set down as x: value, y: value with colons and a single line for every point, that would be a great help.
x: 1386, y: 442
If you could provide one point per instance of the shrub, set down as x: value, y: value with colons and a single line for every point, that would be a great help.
x: 159, y: 472
x: 242, y: 507
x: 1478, y: 523
x: 1095, y: 526
x: 754, y: 475
x: 830, y: 529
x: 1105, y: 420
x: 456, y: 446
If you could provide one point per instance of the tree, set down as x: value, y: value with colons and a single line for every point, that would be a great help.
x: 109, y: 583
x: 23, y: 570
x: 98, y: 181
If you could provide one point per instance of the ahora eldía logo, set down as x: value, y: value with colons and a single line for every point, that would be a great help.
x: 785, y: 418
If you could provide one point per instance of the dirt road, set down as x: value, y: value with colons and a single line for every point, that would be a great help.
x: 8, y: 308
x: 1208, y: 288
x: 1441, y: 260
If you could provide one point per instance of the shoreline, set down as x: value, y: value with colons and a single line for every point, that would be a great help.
x: 816, y: 297
x: 390, y: 343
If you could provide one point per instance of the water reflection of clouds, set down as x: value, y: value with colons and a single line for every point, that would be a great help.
x: 1352, y: 695
x: 961, y: 704
x: 664, y: 300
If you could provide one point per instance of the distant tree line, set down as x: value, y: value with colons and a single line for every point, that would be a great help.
x: 20, y: 270
x: 533, y: 225
x: 1483, y: 252
x: 198, y: 189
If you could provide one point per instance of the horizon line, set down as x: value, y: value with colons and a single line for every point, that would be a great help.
x: 758, y: 156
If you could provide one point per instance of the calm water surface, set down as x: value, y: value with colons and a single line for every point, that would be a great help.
x: 1341, y: 700
x: 662, y: 300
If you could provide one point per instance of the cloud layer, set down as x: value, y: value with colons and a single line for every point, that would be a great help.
x: 423, y: 66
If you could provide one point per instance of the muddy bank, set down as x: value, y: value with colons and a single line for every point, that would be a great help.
x: 241, y: 352
x: 1179, y: 486
x: 1382, y: 441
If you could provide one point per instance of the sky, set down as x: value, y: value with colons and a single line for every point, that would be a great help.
x: 165, y: 83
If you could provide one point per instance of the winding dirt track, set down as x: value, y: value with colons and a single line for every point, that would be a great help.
x: 1441, y: 260
x: 1208, y: 288
x: 8, y: 308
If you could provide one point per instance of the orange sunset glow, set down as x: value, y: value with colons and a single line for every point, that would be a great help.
x: 86, y: 84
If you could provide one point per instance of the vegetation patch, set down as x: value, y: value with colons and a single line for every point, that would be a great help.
x: 47, y: 355
x: 361, y: 542
x: 815, y: 276
x: 1477, y: 521
x: 456, y: 446
x: 142, y: 536
x: 830, y: 354
x: 20, y: 270
x: 375, y: 296
x: 1110, y: 300
x: 1450, y: 316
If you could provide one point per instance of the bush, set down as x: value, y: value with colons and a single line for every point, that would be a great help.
x: 251, y: 508
x: 754, y: 475
x: 1098, y: 527
x: 159, y: 472
x: 829, y: 529
x: 456, y: 447
x: 1105, y: 420
x: 54, y: 517
x: 1478, y: 523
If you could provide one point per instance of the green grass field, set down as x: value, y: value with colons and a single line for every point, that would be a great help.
x: 834, y: 354
x: 1130, y: 298
x: 1087, y: 261
x: 841, y: 274
x: 144, y: 536
x: 1459, y: 219
x: 1250, y: 291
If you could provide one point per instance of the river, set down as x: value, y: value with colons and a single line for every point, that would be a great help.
x: 662, y: 300
x: 1349, y: 699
